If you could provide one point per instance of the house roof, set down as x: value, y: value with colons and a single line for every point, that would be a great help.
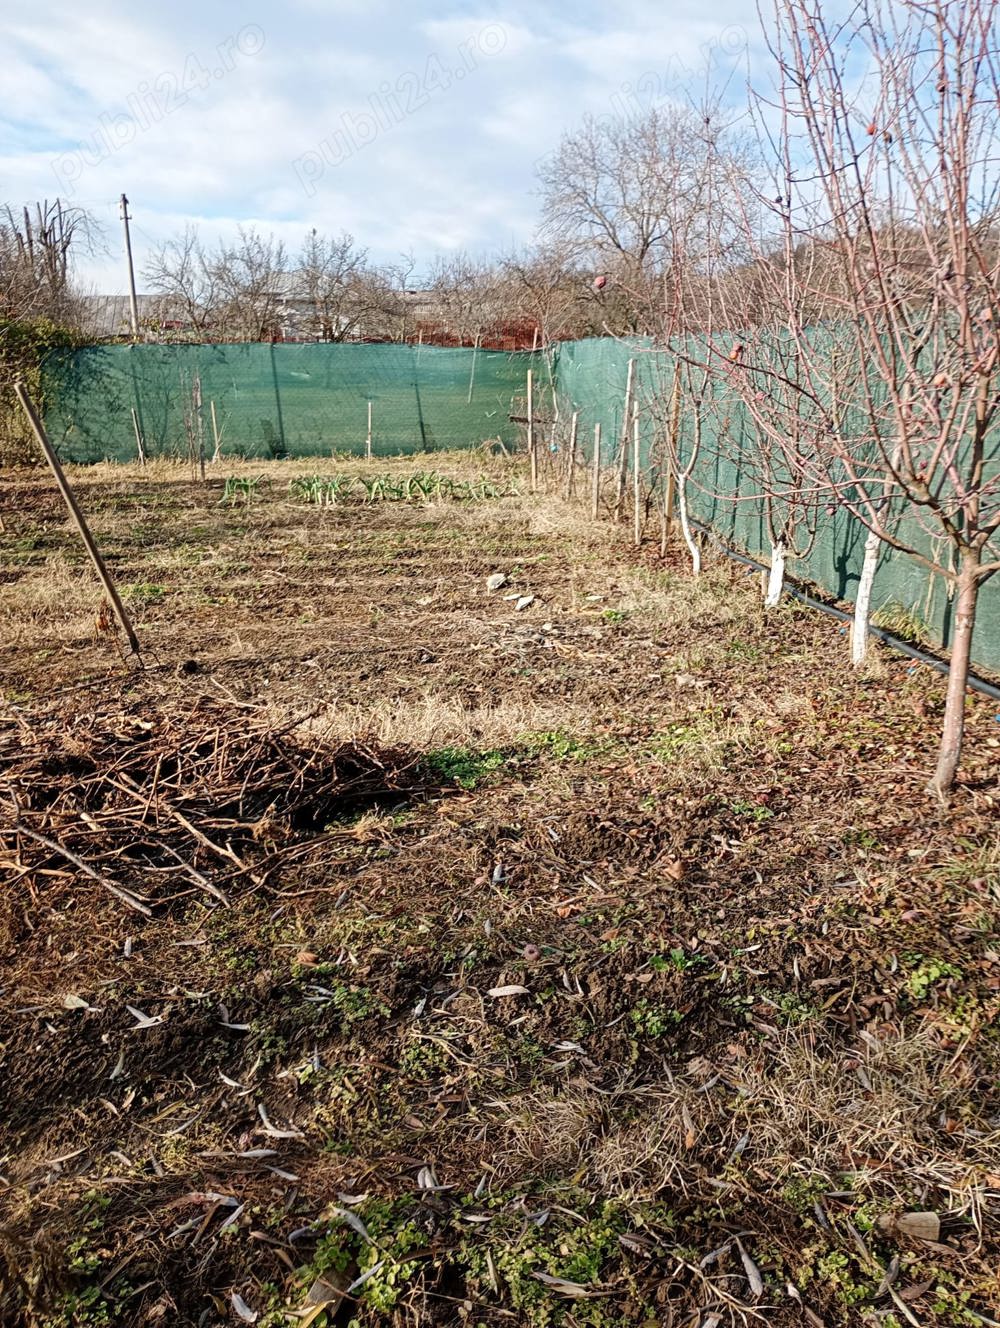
x: 111, y: 315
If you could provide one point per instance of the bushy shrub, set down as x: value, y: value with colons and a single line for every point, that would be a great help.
x: 24, y: 344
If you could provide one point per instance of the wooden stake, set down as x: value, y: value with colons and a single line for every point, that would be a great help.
x: 472, y: 375
x: 595, y: 482
x: 623, y: 448
x: 78, y: 518
x: 668, y: 483
x: 215, y: 431
x: 368, y: 440
x: 636, y: 478
x: 571, y: 454
x: 199, y: 421
x: 532, y: 452
x: 138, y: 438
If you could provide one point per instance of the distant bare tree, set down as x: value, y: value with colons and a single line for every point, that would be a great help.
x: 387, y: 315
x: 187, y: 278
x: 385, y: 291
x: 642, y: 200
x: 334, y: 279
x: 246, y: 290
x: 544, y: 286
x: 37, y: 245
x: 469, y: 295
x: 253, y: 283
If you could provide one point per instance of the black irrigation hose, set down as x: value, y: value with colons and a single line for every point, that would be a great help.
x: 977, y: 684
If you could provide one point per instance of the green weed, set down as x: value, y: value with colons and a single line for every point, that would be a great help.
x: 562, y: 746
x: 356, y: 1003
x: 464, y: 765
x: 904, y: 623
x: 145, y: 592
x: 926, y: 973
x: 653, y: 1020
x: 752, y: 811
x: 676, y: 959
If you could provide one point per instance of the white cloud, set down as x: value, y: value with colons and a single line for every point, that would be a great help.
x: 444, y: 108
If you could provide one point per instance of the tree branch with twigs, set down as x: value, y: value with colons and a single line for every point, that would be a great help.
x: 879, y: 277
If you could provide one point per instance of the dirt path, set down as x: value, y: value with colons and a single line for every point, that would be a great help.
x: 589, y: 963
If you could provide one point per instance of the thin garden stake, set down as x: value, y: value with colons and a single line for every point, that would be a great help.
x: 595, y: 483
x: 78, y: 518
x: 199, y: 422
x: 571, y: 453
x: 664, y: 490
x: 532, y: 454
x: 277, y: 405
x: 636, y: 479
x: 215, y: 431
x: 187, y: 399
x: 623, y: 448
x: 368, y: 440
x: 472, y: 375
x: 663, y: 518
x: 138, y: 438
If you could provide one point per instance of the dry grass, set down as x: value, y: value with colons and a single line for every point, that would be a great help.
x: 895, y: 1113
x: 655, y: 1150
x: 58, y: 606
x: 892, y: 1119
x: 543, y: 1130
x: 440, y: 720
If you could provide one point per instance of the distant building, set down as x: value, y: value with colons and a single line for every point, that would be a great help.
x: 411, y: 316
x: 105, y: 317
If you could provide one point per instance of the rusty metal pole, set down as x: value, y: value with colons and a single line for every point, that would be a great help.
x: 78, y: 518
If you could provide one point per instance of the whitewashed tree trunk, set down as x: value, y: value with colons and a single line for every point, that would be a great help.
x: 958, y: 676
x: 776, y: 579
x: 863, y: 602
x: 689, y: 538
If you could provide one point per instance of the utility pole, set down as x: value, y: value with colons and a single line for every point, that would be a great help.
x: 133, y: 302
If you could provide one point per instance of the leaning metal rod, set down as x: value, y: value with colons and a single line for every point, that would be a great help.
x: 78, y: 518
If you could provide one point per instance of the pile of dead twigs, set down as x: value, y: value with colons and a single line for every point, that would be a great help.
x: 152, y: 807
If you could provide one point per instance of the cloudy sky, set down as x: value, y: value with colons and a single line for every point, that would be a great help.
x: 414, y: 125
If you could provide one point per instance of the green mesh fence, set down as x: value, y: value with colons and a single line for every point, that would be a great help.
x: 312, y: 400
x: 280, y: 400
x: 724, y: 494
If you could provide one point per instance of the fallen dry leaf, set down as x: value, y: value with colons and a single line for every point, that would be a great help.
x: 919, y: 1226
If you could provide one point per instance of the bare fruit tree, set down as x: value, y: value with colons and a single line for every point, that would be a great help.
x: 758, y: 445
x: 879, y: 279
